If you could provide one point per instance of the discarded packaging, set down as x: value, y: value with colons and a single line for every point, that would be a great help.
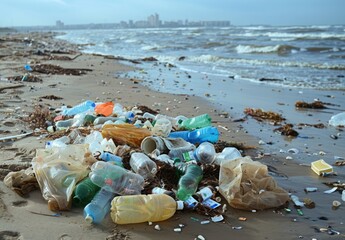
x: 320, y: 166
x: 241, y: 181
x: 57, y: 171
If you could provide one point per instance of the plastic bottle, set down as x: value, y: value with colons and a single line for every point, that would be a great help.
x: 206, y: 134
x: 158, y: 190
x: 143, y: 208
x: 101, y: 120
x: 337, y: 120
x: 116, y: 179
x: 120, y: 112
x: 143, y: 165
x: 99, y: 207
x: 82, y: 107
x: 228, y: 153
x: 195, y: 122
x: 88, y: 120
x: 84, y: 192
x: 162, y: 127
x: 59, y: 142
x: 188, y: 183
x: 109, y: 157
x: 60, y: 125
x: 205, y: 153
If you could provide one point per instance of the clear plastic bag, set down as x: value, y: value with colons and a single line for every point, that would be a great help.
x: 57, y: 171
x: 246, y: 185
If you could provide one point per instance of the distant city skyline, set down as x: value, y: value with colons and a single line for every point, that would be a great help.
x: 245, y: 12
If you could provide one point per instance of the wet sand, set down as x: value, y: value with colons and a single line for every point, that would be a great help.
x: 29, y: 218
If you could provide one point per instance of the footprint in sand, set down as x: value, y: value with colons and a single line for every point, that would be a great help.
x: 9, y: 124
x: 20, y: 203
x: 10, y: 235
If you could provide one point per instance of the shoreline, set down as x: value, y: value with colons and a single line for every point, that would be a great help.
x: 101, y: 84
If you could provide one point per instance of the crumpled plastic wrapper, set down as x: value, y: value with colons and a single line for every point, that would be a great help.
x: 246, y: 185
x: 22, y: 182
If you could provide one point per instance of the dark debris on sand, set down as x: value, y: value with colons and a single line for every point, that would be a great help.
x: 54, y: 69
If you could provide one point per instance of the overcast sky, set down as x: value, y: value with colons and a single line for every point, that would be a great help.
x: 239, y: 12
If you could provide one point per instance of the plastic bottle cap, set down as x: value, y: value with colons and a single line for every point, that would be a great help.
x: 89, y: 219
x: 180, y: 205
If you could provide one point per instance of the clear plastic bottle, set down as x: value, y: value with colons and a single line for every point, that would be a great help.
x: 206, y: 134
x: 84, y: 192
x: 116, y: 179
x: 205, y: 153
x: 188, y: 183
x: 63, y: 124
x: 143, y: 208
x: 99, y: 207
x: 195, y: 122
x: 143, y: 165
x: 82, y: 107
x: 228, y: 153
x: 162, y: 127
x: 101, y: 120
x: 59, y: 142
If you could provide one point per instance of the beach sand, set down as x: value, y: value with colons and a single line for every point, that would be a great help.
x: 29, y: 218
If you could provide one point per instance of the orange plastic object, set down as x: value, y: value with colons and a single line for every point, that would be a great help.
x: 105, y: 109
x: 125, y: 134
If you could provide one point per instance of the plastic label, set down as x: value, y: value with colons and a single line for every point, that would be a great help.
x: 191, y: 202
x: 210, y: 203
x: 206, y: 193
x: 188, y: 156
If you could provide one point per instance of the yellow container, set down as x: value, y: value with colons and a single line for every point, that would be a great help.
x: 143, y: 208
x: 320, y: 166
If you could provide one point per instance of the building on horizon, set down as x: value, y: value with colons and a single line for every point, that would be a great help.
x: 59, y: 24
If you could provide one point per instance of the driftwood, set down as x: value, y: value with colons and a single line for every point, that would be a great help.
x: 11, y: 87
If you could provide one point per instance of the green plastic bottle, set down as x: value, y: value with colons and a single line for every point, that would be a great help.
x: 188, y: 183
x: 84, y: 192
x: 195, y: 122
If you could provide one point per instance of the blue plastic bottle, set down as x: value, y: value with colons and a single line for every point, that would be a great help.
x: 112, y: 158
x: 99, y: 207
x: 82, y: 107
x: 206, y: 134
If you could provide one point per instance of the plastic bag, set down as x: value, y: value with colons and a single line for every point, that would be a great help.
x: 125, y: 134
x: 57, y: 171
x: 105, y: 109
x: 246, y: 185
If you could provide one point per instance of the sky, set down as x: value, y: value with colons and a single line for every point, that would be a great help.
x: 239, y: 12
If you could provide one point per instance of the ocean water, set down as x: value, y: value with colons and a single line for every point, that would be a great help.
x: 244, y: 66
x: 293, y: 56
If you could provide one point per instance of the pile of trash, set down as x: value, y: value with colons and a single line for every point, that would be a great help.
x: 141, y: 166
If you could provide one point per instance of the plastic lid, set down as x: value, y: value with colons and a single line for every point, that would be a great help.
x: 89, y: 219
x: 180, y: 205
